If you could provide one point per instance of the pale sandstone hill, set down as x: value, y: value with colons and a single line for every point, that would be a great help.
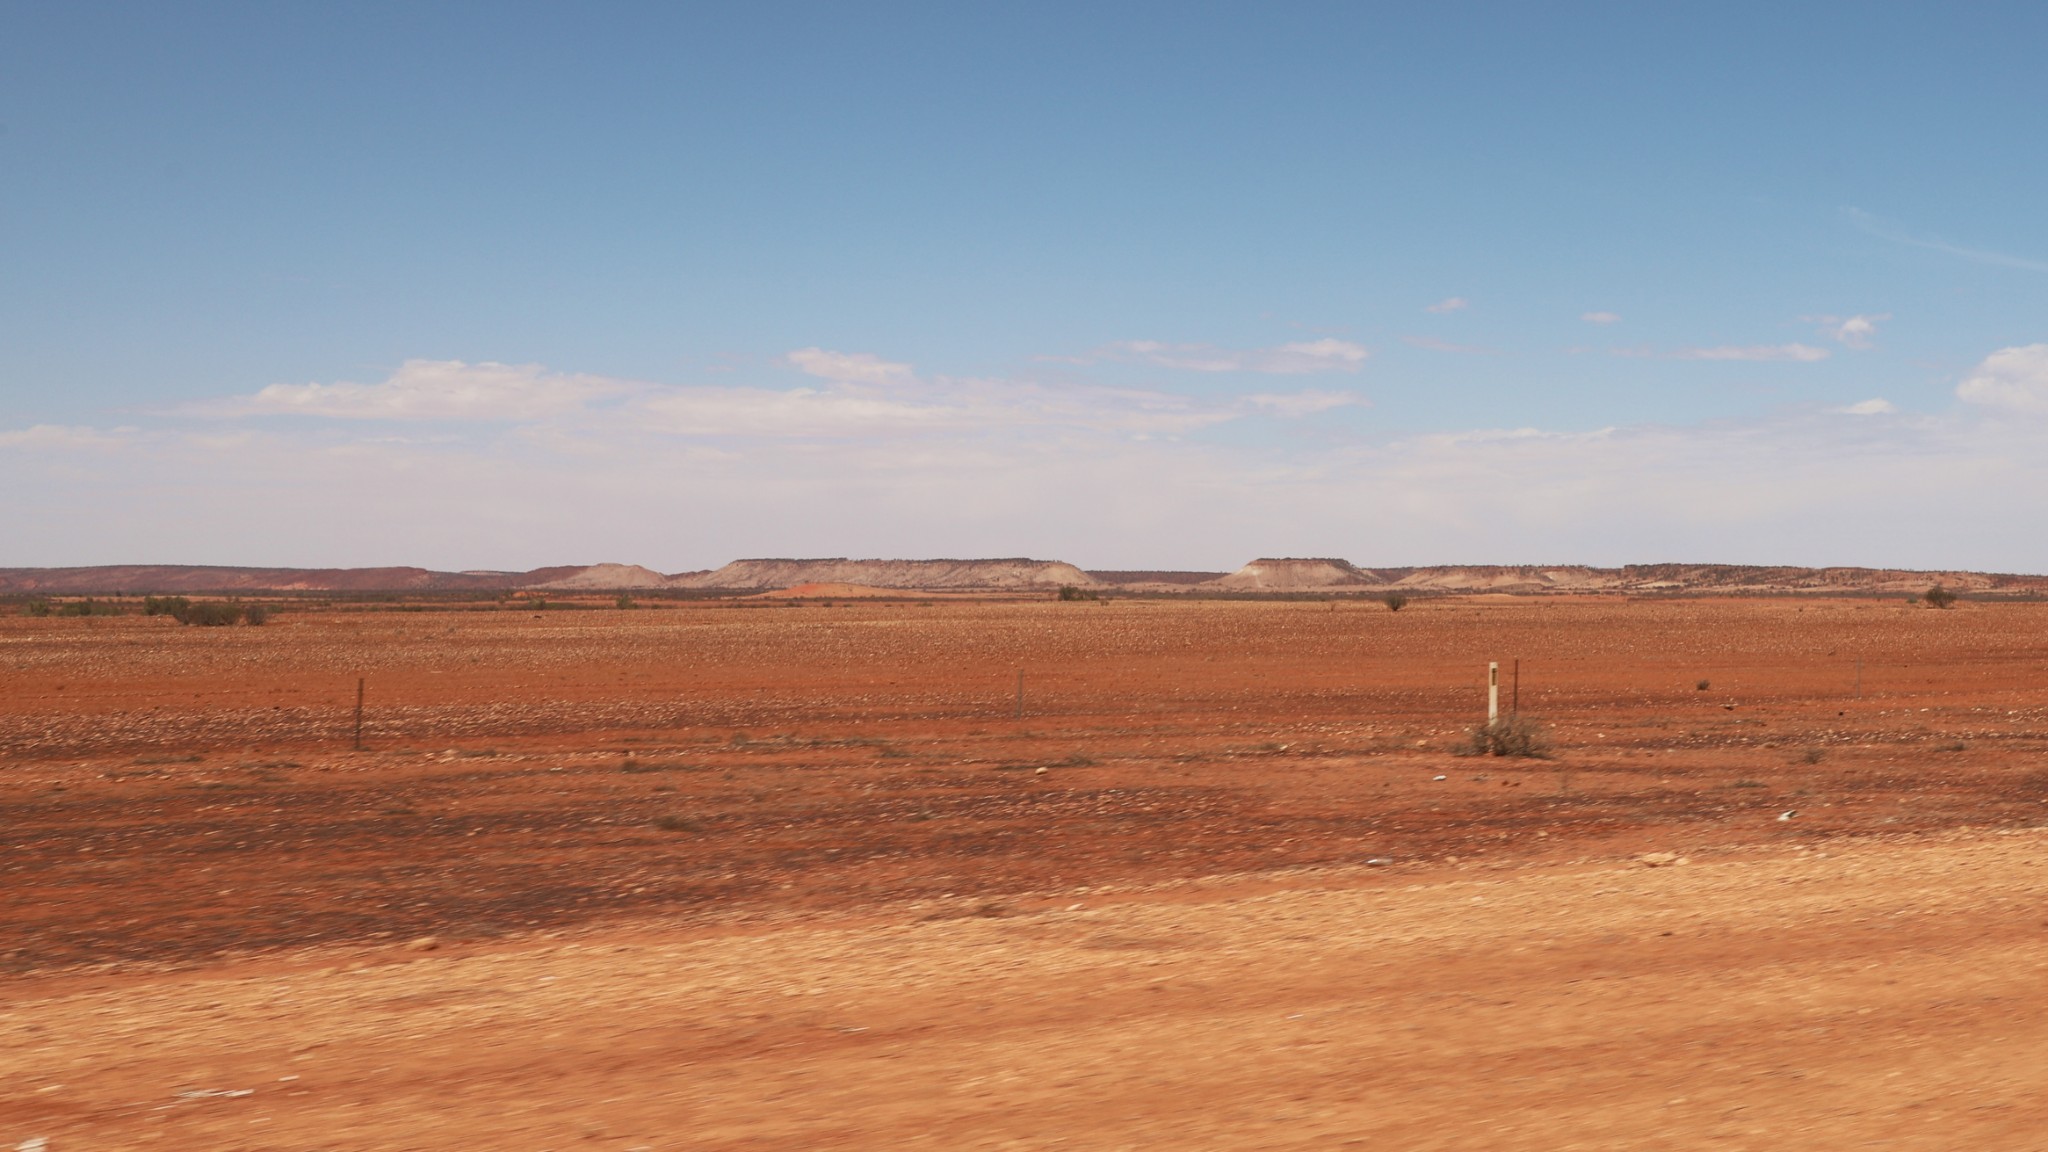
x: 1290, y: 574
x: 606, y: 577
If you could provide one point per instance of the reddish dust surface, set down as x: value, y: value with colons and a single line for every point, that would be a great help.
x: 766, y: 877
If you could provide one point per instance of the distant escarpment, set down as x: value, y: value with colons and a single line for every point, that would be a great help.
x: 1278, y: 576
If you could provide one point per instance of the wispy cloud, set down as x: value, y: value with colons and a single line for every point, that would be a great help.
x: 1886, y: 230
x: 432, y: 390
x: 1758, y: 353
x: 1304, y: 403
x: 1852, y: 331
x: 1436, y: 345
x: 66, y: 436
x: 1452, y: 304
x: 1298, y: 359
x: 850, y: 367
x: 860, y: 396
x: 2013, y: 379
x: 1600, y: 317
x: 1877, y: 406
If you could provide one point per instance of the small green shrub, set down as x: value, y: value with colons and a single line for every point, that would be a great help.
x: 1395, y: 601
x: 207, y: 614
x: 1939, y: 597
x: 36, y: 608
x: 624, y: 601
x: 1070, y: 592
x: 255, y: 614
x: 164, y: 605
x: 1703, y: 685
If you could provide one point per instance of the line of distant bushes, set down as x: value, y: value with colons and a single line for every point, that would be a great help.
x: 205, y: 613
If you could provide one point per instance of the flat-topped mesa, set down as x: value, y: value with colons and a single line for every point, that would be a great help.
x: 1014, y: 572
x: 1291, y: 574
x: 608, y: 577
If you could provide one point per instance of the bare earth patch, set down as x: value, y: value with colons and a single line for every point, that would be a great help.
x: 718, y: 877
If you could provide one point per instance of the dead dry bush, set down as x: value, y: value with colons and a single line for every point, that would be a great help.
x: 1510, y: 736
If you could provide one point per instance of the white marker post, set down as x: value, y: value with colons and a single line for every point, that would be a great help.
x: 1493, y: 694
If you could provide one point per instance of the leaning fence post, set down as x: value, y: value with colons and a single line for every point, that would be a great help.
x: 1493, y: 694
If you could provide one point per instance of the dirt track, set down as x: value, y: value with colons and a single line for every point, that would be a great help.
x: 754, y: 802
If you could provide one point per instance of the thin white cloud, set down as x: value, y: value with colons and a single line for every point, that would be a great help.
x: 1852, y: 331
x: 1600, y: 317
x: 1436, y: 345
x: 864, y: 396
x: 2013, y: 379
x: 1453, y: 304
x: 433, y: 390
x: 1304, y: 403
x: 66, y: 436
x: 1303, y: 358
x: 1876, y: 406
x: 942, y: 406
x: 798, y: 412
x: 1758, y: 353
x: 851, y: 367
x: 1885, y: 230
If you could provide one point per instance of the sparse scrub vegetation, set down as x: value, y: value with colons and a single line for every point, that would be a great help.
x: 1939, y: 597
x: 1071, y: 592
x: 1510, y: 736
x: 89, y: 607
x: 1395, y: 601
x: 1703, y: 685
x: 208, y: 614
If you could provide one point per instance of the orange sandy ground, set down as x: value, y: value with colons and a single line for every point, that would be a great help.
x: 754, y: 876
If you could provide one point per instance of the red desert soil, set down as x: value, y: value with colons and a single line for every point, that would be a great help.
x: 755, y: 877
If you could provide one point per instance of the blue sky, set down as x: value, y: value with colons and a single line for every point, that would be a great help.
x: 1143, y: 285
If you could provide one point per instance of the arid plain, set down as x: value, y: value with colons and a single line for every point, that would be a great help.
x: 761, y: 874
